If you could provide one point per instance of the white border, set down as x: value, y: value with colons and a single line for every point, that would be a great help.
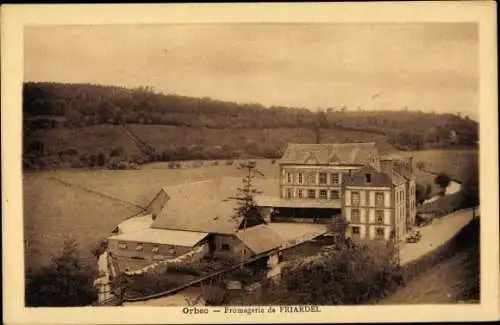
x: 15, y: 17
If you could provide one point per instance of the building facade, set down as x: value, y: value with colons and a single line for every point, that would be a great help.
x: 375, y: 194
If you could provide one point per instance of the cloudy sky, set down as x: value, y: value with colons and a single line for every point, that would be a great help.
x: 373, y: 66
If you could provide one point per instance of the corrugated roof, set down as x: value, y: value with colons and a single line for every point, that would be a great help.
x: 260, y: 239
x: 204, y: 206
x: 162, y: 236
x: 342, y: 153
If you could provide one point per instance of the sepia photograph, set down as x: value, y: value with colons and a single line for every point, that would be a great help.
x: 228, y: 167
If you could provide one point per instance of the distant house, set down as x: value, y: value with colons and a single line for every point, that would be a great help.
x: 322, y: 181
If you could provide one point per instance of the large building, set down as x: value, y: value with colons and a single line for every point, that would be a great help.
x: 375, y: 194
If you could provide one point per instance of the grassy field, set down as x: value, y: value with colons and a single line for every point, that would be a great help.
x: 458, y: 163
x: 245, y: 142
x: 55, y: 211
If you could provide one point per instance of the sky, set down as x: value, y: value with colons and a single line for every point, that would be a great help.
x: 428, y: 67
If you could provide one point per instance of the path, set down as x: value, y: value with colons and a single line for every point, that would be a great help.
x: 434, y: 235
x: 93, y: 192
x: 452, y: 188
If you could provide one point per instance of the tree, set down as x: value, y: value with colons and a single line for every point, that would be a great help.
x: 338, y: 228
x: 421, y: 165
x: 421, y: 193
x: 443, y: 180
x: 246, y: 208
x: 65, y: 282
x: 353, y: 275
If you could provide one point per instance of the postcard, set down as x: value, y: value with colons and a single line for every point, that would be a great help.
x: 250, y: 163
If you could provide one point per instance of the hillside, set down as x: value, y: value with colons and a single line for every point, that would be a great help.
x: 84, y: 125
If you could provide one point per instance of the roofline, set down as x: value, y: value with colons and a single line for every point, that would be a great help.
x: 204, y: 231
x: 336, y: 164
x: 331, y: 143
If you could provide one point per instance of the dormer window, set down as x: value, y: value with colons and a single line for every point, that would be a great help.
x: 368, y: 178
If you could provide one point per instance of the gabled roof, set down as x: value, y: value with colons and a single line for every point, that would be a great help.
x: 162, y: 236
x: 198, y: 215
x: 260, y: 239
x: 377, y: 179
x: 204, y: 206
x: 331, y: 153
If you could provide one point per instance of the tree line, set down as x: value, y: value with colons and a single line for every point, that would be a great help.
x: 86, y: 104
x: 57, y: 105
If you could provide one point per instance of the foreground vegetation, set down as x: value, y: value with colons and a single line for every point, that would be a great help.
x: 67, y: 281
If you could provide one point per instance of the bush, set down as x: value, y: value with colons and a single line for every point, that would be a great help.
x: 116, y: 152
x: 183, y: 269
x: 65, y: 282
x: 353, y: 275
x: 215, y: 163
x: 123, y: 165
x: 229, y: 162
x: 273, y: 161
x: 420, y: 165
x: 443, y: 180
x: 133, y: 165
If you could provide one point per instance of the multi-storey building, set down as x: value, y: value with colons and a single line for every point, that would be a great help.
x: 311, y: 176
x: 321, y: 181
x: 375, y: 203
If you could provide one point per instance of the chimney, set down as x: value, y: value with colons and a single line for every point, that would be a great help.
x: 387, y: 167
x: 410, y: 165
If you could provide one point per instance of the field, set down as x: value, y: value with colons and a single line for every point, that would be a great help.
x: 458, y: 163
x: 59, y: 206
x: 64, y: 147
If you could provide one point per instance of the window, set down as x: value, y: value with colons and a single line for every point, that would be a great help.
x: 122, y: 245
x: 138, y: 247
x: 368, y: 178
x: 355, y: 216
x: 171, y: 251
x: 301, y: 178
x: 379, y: 199
x: 289, y: 178
x: 335, y: 179
x: 322, y: 178
x: 379, y: 217
x: 155, y: 249
x: 334, y: 194
x: 380, y: 232
x: 310, y: 178
x: 356, y: 198
x: 323, y: 194
x: 300, y: 193
x: 289, y: 193
x: 355, y: 230
x: 311, y: 194
x: 225, y: 247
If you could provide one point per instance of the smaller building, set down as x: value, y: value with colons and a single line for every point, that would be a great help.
x: 155, y: 244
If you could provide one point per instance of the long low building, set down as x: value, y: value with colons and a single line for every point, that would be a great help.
x: 195, y: 214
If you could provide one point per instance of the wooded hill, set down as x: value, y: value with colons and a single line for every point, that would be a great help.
x: 168, y: 127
